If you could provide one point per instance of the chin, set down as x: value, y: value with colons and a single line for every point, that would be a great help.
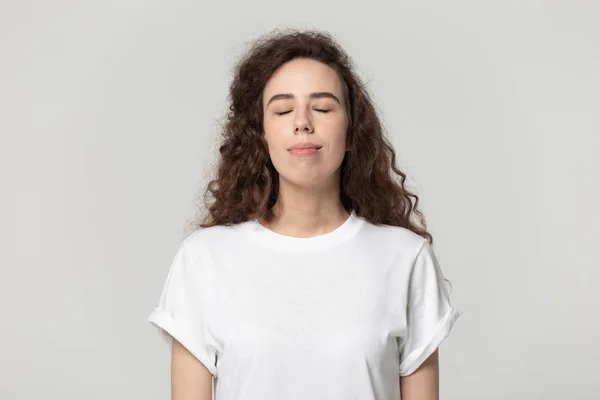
x: 308, y: 182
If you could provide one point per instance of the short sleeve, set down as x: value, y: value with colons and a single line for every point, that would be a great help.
x: 429, y: 314
x: 180, y: 312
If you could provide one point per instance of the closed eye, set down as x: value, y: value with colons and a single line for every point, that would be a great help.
x: 283, y: 112
x: 322, y: 110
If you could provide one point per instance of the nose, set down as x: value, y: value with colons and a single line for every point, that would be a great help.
x: 302, y: 124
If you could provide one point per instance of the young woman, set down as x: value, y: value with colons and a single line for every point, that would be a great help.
x: 312, y: 275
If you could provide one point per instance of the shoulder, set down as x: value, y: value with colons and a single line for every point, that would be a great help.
x: 400, y: 238
x: 212, y: 237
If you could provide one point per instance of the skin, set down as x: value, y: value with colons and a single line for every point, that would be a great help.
x: 190, y: 379
x: 302, y: 102
x: 424, y: 383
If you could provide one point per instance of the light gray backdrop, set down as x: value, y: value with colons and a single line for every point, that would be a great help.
x: 108, y: 116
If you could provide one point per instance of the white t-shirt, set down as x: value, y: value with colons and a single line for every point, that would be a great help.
x: 336, y: 316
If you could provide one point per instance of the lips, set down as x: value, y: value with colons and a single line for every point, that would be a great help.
x: 305, y: 151
x: 301, y: 146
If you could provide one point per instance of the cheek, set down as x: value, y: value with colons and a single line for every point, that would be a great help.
x: 336, y: 132
x: 272, y: 133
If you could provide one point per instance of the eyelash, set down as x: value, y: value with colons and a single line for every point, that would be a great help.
x: 316, y: 109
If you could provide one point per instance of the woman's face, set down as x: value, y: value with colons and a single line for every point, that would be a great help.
x: 303, y: 104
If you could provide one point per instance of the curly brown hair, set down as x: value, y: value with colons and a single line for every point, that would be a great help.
x: 246, y: 185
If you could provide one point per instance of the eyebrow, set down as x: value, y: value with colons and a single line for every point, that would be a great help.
x: 315, y: 95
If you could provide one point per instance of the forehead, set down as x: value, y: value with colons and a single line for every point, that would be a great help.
x: 303, y: 76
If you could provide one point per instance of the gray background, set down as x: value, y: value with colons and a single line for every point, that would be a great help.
x: 108, y: 115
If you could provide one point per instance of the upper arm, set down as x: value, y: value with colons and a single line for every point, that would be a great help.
x: 182, y: 318
x: 429, y: 313
x: 190, y: 379
x: 423, y: 384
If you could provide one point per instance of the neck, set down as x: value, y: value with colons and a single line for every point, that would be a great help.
x: 302, y: 211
